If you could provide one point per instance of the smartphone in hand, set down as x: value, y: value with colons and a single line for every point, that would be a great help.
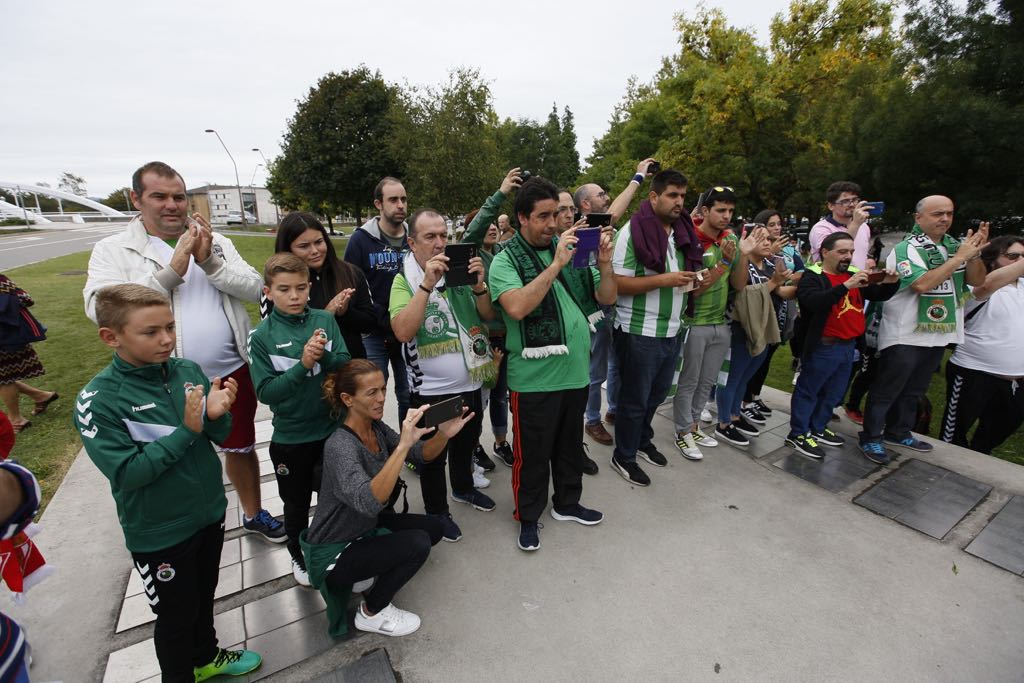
x: 587, y: 246
x: 458, y: 264
x: 874, y: 208
x: 441, y: 412
x: 876, y: 276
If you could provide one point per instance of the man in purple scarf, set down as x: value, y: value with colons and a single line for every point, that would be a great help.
x: 656, y: 255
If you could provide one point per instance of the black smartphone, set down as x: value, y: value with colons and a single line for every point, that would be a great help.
x: 701, y: 199
x: 653, y: 167
x: 441, y: 412
x: 458, y: 264
x: 599, y: 220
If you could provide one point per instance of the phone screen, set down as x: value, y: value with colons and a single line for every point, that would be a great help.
x: 441, y: 412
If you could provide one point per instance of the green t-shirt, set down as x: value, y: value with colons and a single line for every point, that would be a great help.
x: 709, y: 307
x: 553, y: 373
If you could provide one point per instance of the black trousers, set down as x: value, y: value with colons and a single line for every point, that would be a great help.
x: 756, y: 382
x: 180, y: 582
x: 298, y: 468
x: 864, y: 374
x: 547, y: 432
x: 393, y: 558
x: 458, y: 452
x: 996, y: 404
x: 904, y: 373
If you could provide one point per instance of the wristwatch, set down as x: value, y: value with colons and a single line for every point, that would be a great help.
x: 481, y: 292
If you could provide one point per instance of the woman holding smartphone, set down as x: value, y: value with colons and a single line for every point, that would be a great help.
x: 336, y: 286
x: 356, y: 535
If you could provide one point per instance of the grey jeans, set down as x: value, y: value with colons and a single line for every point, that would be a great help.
x: 703, y: 354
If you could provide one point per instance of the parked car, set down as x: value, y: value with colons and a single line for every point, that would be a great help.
x: 235, y: 218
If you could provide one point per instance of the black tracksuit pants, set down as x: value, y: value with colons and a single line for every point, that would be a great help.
x: 996, y: 404
x: 298, y: 468
x: 548, y: 430
x: 458, y: 452
x: 180, y: 582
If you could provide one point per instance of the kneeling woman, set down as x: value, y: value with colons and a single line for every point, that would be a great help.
x: 355, y: 534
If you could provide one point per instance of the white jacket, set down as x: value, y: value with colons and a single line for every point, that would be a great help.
x: 129, y: 257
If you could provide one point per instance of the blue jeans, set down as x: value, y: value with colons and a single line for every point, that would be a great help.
x: 742, y: 366
x: 499, y: 394
x: 652, y: 364
x: 820, y: 387
x: 379, y: 350
x: 603, y: 366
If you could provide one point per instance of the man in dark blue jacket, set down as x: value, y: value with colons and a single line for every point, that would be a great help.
x: 378, y: 247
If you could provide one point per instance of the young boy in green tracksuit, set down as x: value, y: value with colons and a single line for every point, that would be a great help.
x: 146, y: 421
x: 290, y: 353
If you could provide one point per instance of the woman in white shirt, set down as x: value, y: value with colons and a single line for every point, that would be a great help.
x: 985, y: 375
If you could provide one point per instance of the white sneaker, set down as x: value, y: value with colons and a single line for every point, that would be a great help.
x: 705, y: 415
x: 479, y: 480
x: 688, y: 447
x: 364, y: 585
x: 702, y: 439
x: 390, y: 621
x: 300, y: 574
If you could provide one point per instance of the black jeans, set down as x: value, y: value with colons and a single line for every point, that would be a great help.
x: 996, y: 404
x: 904, y: 373
x: 180, y: 582
x: 547, y: 430
x: 298, y: 468
x: 393, y: 558
x: 458, y: 451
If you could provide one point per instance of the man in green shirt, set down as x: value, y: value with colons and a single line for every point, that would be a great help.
x: 708, y: 337
x: 548, y: 307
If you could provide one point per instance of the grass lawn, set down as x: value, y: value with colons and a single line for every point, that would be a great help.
x: 72, y: 354
x: 780, y: 376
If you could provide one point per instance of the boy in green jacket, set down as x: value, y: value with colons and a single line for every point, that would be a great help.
x: 146, y: 421
x: 291, y: 351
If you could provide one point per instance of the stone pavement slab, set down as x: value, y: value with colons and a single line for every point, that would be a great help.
x: 1001, y: 542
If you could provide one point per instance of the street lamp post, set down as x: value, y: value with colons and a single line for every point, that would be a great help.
x: 238, y: 183
x: 277, y: 212
x: 252, y: 188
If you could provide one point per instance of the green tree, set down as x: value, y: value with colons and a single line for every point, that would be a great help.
x: 118, y: 199
x: 447, y: 135
x: 337, y: 146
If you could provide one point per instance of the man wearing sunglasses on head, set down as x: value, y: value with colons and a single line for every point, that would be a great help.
x: 849, y: 214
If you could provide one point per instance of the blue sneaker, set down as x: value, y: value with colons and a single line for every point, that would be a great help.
x: 875, y: 452
x: 450, y: 530
x: 912, y: 443
x: 478, y: 500
x: 529, y: 536
x: 578, y: 513
x: 266, y: 525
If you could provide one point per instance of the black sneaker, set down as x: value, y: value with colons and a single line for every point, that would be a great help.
x: 805, y: 444
x: 761, y: 407
x: 266, y: 525
x: 742, y: 425
x: 752, y: 414
x: 631, y: 472
x: 828, y: 437
x: 652, y: 455
x: 529, y: 536
x: 481, y: 458
x: 503, y: 452
x: 474, y: 498
x: 450, y: 530
x: 578, y: 513
x: 732, y: 435
x: 589, y: 466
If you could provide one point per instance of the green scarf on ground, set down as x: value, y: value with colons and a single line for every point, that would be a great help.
x: 320, y: 560
x: 461, y: 332
x: 936, y: 310
x: 543, y: 329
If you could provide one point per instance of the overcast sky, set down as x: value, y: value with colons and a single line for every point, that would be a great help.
x: 98, y: 88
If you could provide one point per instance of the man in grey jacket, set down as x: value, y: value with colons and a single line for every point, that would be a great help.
x: 206, y: 280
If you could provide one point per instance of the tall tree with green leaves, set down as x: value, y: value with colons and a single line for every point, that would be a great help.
x: 338, y: 145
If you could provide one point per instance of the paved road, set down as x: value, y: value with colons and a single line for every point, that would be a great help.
x: 21, y: 249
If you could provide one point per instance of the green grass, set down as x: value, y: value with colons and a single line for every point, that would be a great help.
x: 72, y: 354
x: 780, y: 376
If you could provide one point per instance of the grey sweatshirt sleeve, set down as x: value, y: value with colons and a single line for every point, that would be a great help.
x: 346, y: 473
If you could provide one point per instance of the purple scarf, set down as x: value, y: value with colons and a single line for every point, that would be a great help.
x: 651, y: 242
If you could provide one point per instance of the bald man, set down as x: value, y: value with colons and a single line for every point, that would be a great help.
x: 924, y: 316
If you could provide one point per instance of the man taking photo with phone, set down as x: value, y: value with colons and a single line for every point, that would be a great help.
x: 849, y: 214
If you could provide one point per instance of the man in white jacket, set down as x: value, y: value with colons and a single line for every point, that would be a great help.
x: 207, y: 281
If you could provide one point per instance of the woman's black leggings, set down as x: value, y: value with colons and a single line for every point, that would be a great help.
x: 393, y: 558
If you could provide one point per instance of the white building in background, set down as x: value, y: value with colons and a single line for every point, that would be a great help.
x: 216, y: 201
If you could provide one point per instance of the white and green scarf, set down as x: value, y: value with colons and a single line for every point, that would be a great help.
x: 452, y: 325
x: 936, y: 309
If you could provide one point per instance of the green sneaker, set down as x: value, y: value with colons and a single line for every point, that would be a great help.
x: 229, y: 663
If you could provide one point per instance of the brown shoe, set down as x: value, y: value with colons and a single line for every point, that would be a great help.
x: 609, y: 418
x: 598, y: 433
